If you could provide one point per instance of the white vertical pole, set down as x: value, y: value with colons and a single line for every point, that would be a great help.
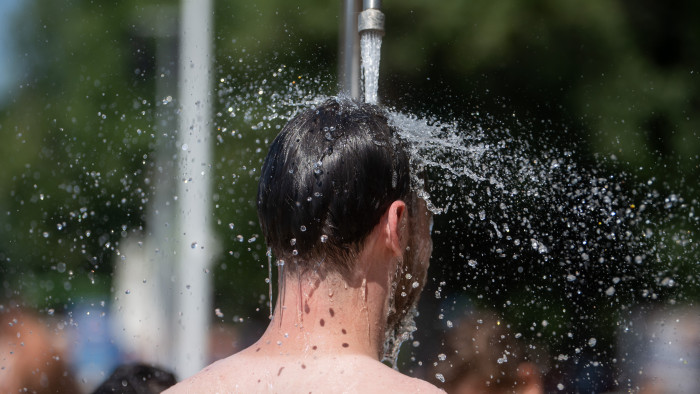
x: 194, y: 238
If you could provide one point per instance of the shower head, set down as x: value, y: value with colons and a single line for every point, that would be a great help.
x: 371, y: 18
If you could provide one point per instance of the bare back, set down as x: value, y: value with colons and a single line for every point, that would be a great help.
x: 250, y: 372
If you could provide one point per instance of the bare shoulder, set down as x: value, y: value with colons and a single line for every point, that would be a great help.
x: 219, y: 377
x: 390, y: 380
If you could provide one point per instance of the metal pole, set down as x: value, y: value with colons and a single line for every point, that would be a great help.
x: 194, y: 238
x: 349, y: 64
x: 161, y: 210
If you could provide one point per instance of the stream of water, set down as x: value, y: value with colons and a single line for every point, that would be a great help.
x: 370, y: 48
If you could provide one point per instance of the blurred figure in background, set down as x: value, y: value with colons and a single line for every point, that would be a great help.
x: 480, y: 354
x: 32, y: 354
x: 659, y: 352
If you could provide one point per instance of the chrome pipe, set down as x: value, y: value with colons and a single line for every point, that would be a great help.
x: 367, y: 4
x: 371, y: 18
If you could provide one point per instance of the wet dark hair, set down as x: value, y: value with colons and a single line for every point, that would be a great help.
x: 328, y: 178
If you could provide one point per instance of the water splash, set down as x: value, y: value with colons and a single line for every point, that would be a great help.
x: 269, y: 279
x: 524, y: 224
x: 370, y: 48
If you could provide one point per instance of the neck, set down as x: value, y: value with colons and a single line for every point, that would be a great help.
x: 329, y: 315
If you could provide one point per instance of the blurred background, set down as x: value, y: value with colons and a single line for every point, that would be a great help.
x: 89, y: 122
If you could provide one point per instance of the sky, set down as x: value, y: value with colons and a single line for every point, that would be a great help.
x: 8, y: 67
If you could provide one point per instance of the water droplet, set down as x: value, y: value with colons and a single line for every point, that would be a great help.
x: 185, y: 147
x: 442, y: 357
x: 592, y: 342
x: 472, y: 263
x: 440, y: 377
x: 318, y: 167
x: 324, y: 238
x: 218, y: 313
x: 415, y: 285
x: 61, y: 267
x: 127, y: 292
x: 293, y: 241
x: 302, y: 228
x: 560, y: 387
x: 295, y: 252
x: 231, y: 226
x: 610, y: 291
x: 193, y: 245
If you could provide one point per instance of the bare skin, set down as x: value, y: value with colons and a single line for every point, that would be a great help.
x: 327, y: 333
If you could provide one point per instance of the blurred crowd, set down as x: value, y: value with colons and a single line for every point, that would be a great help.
x: 658, y: 351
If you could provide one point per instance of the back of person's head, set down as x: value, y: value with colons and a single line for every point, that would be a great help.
x: 327, y: 180
x: 137, y: 378
x: 482, y: 355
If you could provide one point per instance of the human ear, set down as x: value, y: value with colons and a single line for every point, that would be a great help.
x: 395, y: 227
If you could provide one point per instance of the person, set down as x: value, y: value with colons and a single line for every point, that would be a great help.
x: 352, y: 242
x: 480, y: 354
